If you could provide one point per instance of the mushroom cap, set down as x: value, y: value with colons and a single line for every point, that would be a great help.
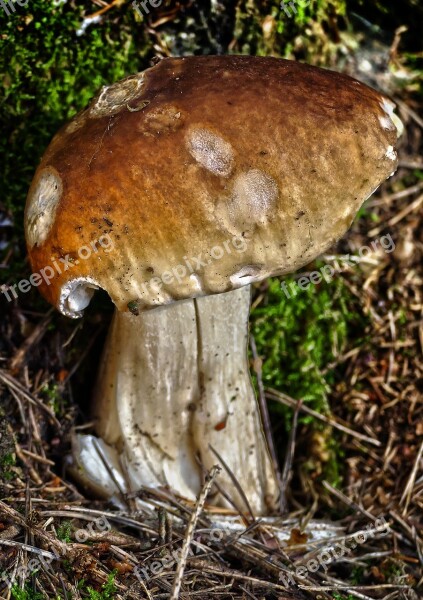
x: 203, y: 174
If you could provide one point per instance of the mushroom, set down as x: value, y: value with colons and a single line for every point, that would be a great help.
x: 206, y: 174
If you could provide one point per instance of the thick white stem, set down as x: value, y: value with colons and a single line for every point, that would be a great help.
x: 175, y: 381
x: 227, y: 416
x: 145, y: 394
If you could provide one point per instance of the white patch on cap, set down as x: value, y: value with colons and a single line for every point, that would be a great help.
x: 247, y: 275
x: 254, y: 197
x: 388, y: 108
x: 42, y: 206
x: 197, y: 284
x: 211, y: 151
x: 387, y: 123
x: 113, y: 98
x: 76, y: 296
x: 390, y: 153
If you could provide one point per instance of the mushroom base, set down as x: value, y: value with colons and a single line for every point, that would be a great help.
x: 174, y: 385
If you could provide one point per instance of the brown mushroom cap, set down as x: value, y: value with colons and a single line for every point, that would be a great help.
x: 194, y: 154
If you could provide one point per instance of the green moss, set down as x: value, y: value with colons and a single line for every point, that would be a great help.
x: 27, y: 593
x: 108, y: 590
x: 7, y: 453
x: 264, y: 28
x: 64, y: 532
x: 54, y: 395
x: 299, y: 337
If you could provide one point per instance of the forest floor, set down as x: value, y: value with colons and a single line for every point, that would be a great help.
x: 341, y: 368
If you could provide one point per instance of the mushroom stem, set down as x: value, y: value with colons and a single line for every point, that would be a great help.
x: 174, y: 383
